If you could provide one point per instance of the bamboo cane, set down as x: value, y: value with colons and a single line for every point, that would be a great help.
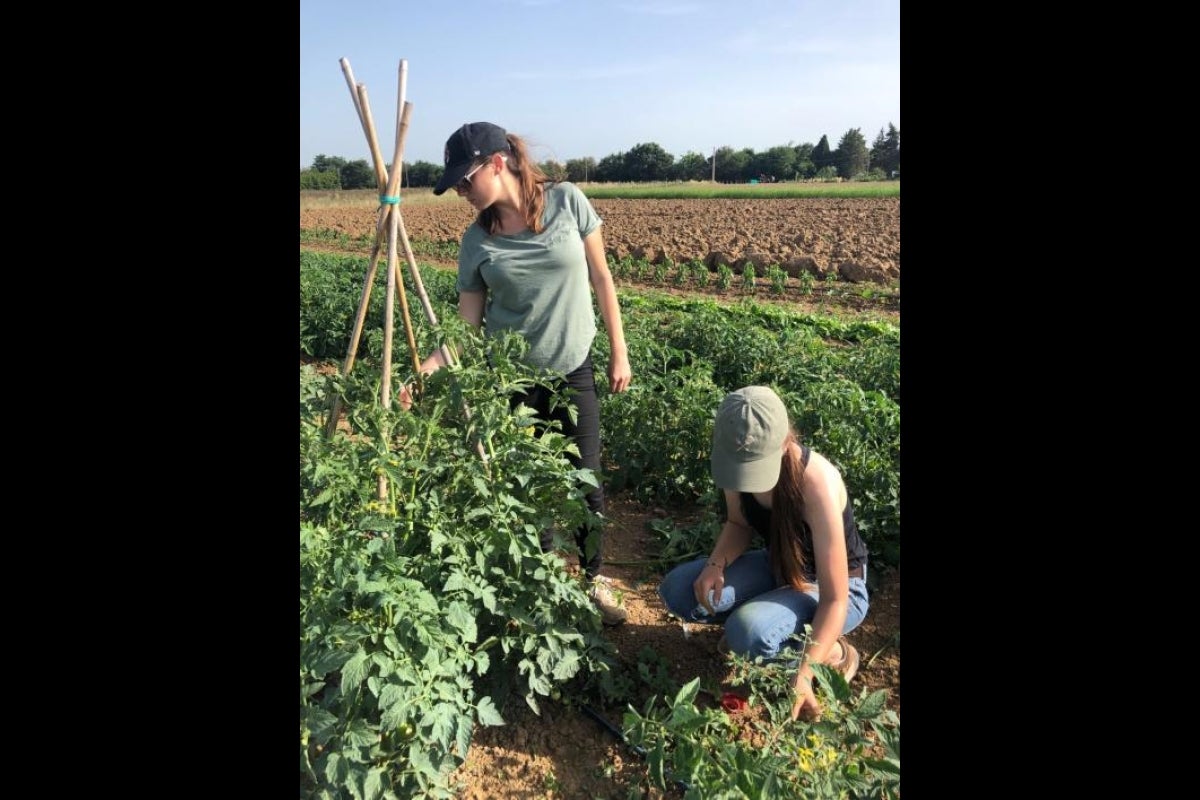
x: 335, y: 408
x: 401, y: 92
x: 381, y: 177
x: 385, y: 390
x: 392, y: 189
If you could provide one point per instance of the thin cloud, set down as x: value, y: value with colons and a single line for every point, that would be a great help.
x: 593, y: 73
x: 665, y: 8
x: 753, y: 43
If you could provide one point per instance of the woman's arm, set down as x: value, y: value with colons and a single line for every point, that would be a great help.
x: 824, y: 498
x: 470, y: 308
x: 731, y: 543
x: 619, y: 374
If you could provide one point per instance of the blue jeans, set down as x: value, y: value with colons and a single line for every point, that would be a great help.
x: 763, y: 615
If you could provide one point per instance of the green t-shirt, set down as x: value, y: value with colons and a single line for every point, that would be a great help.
x: 537, y: 283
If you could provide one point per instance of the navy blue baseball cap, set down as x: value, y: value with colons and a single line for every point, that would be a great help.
x: 465, y: 145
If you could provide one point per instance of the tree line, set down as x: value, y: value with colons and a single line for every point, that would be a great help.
x: 850, y: 160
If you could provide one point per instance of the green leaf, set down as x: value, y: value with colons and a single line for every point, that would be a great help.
x: 391, y: 694
x: 687, y: 692
x: 487, y: 714
x: 354, y: 672
x: 871, y: 705
x: 418, y: 757
x: 567, y: 666
x: 329, y: 662
x: 321, y: 724
x: 883, y: 764
x: 481, y: 487
x: 482, y: 662
x: 456, y: 582
x: 462, y: 735
x: 373, y: 785
x: 461, y: 618
x: 655, y: 761
x: 437, y: 540
x: 443, y: 726
x: 335, y: 769
x: 360, y: 734
x: 488, y: 597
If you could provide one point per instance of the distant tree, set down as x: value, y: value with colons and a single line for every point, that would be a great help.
x: 777, y: 162
x: 611, y: 168
x: 422, y: 173
x: 804, y: 164
x: 821, y: 156
x: 731, y: 164
x: 312, y: 179
x: 554, y: 170
x: 885, y: 152
x: 648, y: 162
x: 324, y: 163
x: 692, y: 166
x: 357, y: 175
x: 581, y: 170
x: 852, y: 154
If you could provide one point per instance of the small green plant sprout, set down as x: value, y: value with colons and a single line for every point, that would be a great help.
x: 681, y: 274
x: 778, y: 279
x: 748, y: 276
x: 724, y: 277
x: 624, y: 266
x: 806, y: 281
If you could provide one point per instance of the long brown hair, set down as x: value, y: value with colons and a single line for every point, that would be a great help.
x: 787, y: 520
x: 533, y: 187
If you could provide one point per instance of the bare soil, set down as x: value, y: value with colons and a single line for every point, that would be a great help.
x: 850, y: 246
x: 564, y: 753
x: 829, y: 231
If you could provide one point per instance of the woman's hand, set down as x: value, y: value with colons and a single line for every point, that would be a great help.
x: 619, y: 374
x: 405, y: 397
x: 805, y: 705
x: 712, y: 578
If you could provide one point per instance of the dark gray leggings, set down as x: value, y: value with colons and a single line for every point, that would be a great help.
x: 586, y: 433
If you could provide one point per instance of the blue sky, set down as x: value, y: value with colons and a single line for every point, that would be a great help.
x: 582, y: 78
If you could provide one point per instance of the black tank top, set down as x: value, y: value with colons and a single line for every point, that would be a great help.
x: 759, y: 518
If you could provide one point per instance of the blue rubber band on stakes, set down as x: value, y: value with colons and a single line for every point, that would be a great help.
x: 389, y: 200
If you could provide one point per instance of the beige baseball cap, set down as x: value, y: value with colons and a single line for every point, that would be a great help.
x: 748, y: 437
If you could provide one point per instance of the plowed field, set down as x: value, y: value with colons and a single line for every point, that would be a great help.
x: 829, y: 232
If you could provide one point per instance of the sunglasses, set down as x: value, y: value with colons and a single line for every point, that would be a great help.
x: 465, y: 184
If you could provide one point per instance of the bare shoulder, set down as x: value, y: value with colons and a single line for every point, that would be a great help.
x: 822, y: 477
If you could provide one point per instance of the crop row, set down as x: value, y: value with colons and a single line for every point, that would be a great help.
x: 423, y: 610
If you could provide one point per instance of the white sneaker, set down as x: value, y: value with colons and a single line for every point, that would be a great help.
x: 611, y: 610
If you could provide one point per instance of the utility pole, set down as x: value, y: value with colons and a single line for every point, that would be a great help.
x: 714, y: 166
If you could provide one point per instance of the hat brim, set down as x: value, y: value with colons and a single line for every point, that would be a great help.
x: 451, y: 176
x: 760, y: 475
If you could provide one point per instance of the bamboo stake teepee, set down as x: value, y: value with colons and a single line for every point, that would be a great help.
x: 390, y: 226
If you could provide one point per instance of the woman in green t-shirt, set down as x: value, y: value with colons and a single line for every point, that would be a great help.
x: 528, y: 264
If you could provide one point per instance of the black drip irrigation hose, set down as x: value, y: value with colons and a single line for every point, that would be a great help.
x: 639, y: 751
